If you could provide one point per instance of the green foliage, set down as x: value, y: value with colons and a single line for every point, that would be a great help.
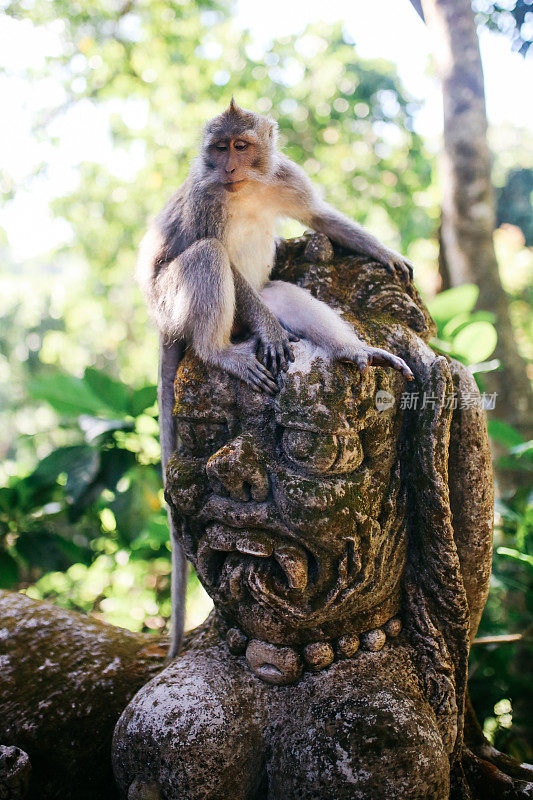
x: 465, y: 334
x: 501, y: 674
x: 90, y: 513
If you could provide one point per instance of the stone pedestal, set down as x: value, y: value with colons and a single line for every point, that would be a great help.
x: 344, y: 530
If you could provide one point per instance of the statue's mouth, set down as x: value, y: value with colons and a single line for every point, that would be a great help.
x: 245, y: 552
x: 235, y: 559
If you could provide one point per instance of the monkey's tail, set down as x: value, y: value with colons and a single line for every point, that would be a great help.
x: 170, y: 356
x: 178, y: 591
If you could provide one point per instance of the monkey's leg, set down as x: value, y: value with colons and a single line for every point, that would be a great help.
x: 308, y: 317
x: 273, y: 342
x: 205, y: 305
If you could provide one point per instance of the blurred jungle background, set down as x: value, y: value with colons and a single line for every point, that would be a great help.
x: 102, y: 103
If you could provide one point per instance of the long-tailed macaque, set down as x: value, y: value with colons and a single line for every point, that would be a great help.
x: 206, y: 261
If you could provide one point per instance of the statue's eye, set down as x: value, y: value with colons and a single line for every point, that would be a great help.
x: 201, y: 438
x: 313, y: 451
x: 322, y: 452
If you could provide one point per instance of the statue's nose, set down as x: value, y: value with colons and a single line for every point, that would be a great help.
x: 239, y: 469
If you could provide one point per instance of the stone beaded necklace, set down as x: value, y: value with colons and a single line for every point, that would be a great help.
x: 281, y: 665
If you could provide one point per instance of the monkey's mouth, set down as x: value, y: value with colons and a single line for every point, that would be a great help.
x: 239, y: 562
x: 234, y: 186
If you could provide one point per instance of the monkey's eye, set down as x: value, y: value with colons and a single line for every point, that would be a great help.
x: 240, y: 145
x: 221, y: 146
x: 322, y: 452
x: 201, y: 439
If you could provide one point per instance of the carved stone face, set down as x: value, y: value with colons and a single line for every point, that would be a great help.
x: 291, y: 508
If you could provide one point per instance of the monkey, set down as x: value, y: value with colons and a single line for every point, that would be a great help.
x: 205, y: 264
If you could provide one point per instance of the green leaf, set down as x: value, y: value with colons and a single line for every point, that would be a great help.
x: 63, y: 459
x: 441, y: 345
x: 8, y: 498
x: 114, y: 463
x: 504, y: 433
x: 516, y: 555
x: 66, y: 394
x: 82, y: 473
x: 484, y: 366
x: 476, y: 341
x: 448, y: 304
x: 95, y: 427
x: 515, y: 464
x: 141, y: 399
x: 505, y: 511
x: 111, y: 392
x: 460, y: 320
x: 155, y: 536
x: 523, y: 450
x: 47, y: 550
x: 9, y: 571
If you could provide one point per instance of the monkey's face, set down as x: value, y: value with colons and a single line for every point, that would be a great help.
x: 238, y: 148
x: 234, y: 158
x: 291, y: 508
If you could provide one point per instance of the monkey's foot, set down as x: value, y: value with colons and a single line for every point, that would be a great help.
x: 364, y: 356
x: 273, y: 348
x: 396, y: 263
x: 239, y: 360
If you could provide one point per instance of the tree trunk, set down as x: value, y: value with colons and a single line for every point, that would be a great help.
x: 64, y: 681
x: 468, y: 206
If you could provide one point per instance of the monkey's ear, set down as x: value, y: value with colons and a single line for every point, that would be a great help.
x: 233, y: 108
x: 273, y: 128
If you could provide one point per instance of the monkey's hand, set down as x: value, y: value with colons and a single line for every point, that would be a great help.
x: 273, y: 347
x: 240, y: 360
x: 396, y: 263
x: 364, y: 356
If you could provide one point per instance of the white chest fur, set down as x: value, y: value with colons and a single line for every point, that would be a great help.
x: 250, y: 237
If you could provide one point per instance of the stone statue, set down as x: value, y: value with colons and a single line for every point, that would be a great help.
x: 343, y: 530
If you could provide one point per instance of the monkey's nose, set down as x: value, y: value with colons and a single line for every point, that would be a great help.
x: 229, y: 169
x: 239, y: 469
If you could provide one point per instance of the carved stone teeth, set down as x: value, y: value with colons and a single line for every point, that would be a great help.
x: 204, y: 558
x: 255, y: 544
x: 235, y: 582
x: 293, y: 561
x: 221, y: 538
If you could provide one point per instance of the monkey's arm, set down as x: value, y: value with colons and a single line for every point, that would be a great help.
x: 303, y: 203
x: 273, y: 348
